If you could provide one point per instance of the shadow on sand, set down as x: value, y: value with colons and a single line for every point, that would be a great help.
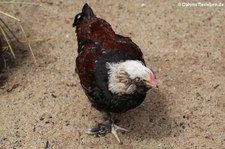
x: 150, y: 119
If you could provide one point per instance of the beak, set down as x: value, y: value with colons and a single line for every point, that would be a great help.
x: 152, y: 83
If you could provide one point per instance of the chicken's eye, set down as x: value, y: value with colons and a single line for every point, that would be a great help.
x: 137, y: 79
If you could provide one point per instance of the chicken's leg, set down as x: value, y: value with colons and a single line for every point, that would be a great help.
x: 107, y: 126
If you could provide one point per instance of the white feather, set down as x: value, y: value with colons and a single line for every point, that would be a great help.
x: 133, y: 68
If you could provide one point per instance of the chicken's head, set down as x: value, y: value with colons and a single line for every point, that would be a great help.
x: 130, y: 76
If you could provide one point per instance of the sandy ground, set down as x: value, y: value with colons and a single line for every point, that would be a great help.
x: 47, y: 109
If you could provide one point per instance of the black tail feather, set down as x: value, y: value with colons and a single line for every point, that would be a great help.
x: 86, y: 13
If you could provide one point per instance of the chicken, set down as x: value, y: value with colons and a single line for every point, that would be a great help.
x: 111, y: 69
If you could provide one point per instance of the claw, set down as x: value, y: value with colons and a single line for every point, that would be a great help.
x: 90, y: 132
x: 106, y: 127
x: 119, y: 128
x: 103, y: 129
x: 100, y: 130
x: 114, y: 131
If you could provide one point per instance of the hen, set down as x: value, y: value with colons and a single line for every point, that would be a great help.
x: 111, y: 69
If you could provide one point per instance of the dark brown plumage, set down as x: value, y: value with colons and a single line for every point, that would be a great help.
x: 101, y: 63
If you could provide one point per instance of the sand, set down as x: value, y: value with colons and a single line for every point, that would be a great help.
x: 43, y: 106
